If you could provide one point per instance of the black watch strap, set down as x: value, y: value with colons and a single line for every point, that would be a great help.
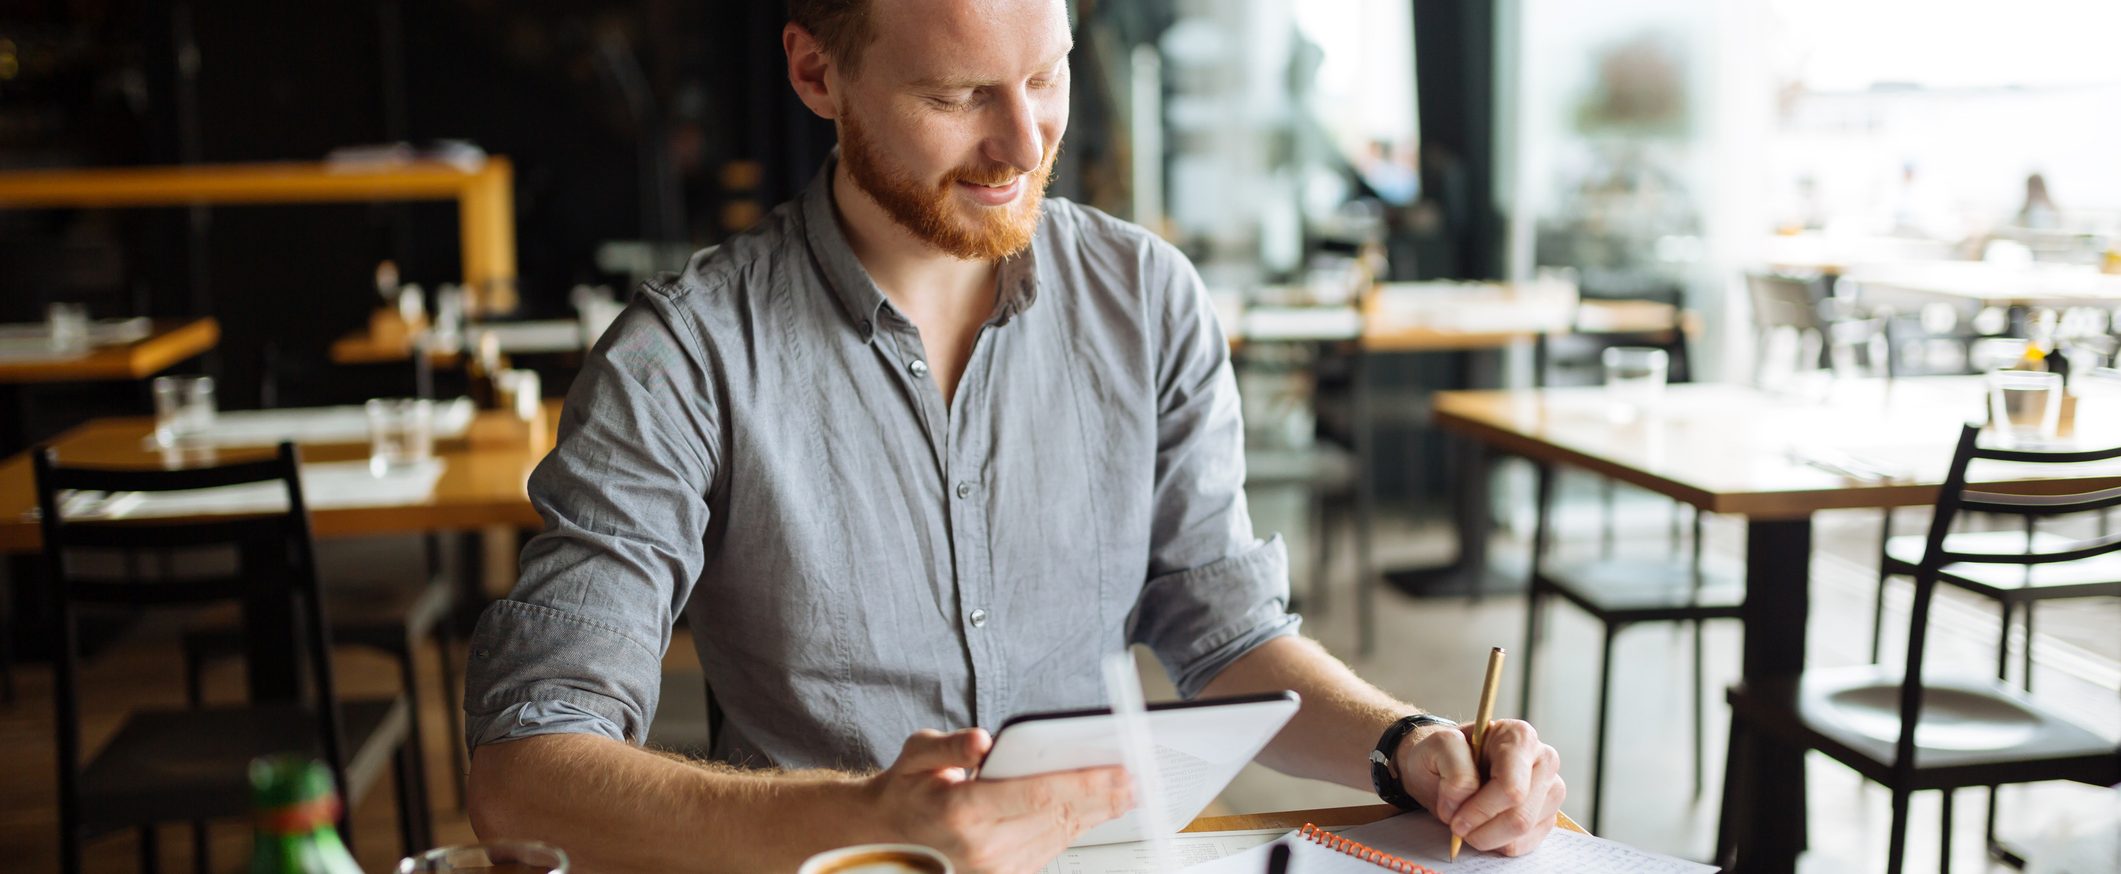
x: 1384, y: 777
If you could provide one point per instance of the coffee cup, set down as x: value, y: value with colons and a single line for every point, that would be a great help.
x: 878, y: 859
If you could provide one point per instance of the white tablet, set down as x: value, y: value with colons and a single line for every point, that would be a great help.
x: 1200, y: 747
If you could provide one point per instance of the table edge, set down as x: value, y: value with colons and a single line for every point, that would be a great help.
x: 1361, y: 814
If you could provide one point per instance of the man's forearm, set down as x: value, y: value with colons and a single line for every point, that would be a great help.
x: 1342, y: 715
x: 616, y: 808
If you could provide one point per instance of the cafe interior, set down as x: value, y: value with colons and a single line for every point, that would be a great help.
x: 1745, y: 370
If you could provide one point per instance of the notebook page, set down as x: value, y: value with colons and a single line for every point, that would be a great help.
x: 1419, y: 838
x: 1133, y: 857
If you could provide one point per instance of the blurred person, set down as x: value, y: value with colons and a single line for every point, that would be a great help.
x: 913, y: 455
x: 2039, y: 211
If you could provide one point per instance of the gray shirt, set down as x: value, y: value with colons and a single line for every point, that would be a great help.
x: 757, y: 442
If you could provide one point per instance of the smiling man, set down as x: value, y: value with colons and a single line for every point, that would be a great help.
x: 912, y: 456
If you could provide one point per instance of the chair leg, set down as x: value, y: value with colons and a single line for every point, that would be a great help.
x: 1944, y: 843
x: 2027, y: 656
x: 408, y: 832
x: 415, y: 736
x: 1728, y: 812
x: 1896, y: 848
x: 202, y: 858
x: 150, y: 850
x: 1605, y: 697
x: 2003, y: 644
x: 1532, y: 608
x: 1700, y: 712
x: 453, y: 711
x: 1885, y: 533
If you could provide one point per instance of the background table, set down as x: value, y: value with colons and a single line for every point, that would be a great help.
x: 1737, y: 449
x: 484, y: 479
x: 170, y: 341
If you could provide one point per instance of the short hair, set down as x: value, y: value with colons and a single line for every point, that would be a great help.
x: 841, y: 26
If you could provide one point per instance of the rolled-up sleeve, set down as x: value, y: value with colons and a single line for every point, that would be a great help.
x: 1214, y: 590
x: 578, y: 645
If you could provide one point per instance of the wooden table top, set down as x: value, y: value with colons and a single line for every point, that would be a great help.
x: 531, y: 337
x: 1325, y: 816
x: 362, y: 347
x: 484, y: 478
x: 172, y: 341
x: 1738, y: 449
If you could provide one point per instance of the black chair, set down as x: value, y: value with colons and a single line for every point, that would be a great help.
x: 190, y: 765
x: 1866, y: 717
x: 2015, y: 589
x: 1620, y: 593
x: 390, y: 617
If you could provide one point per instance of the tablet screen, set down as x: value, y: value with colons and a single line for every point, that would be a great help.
x: 1200, y: 747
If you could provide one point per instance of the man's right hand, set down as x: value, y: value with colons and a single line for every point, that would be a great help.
x: 990, y: 826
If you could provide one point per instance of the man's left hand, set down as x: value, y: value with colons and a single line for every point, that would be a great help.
x: 1512, y: 809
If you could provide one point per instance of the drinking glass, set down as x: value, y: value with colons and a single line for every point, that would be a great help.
x: 492, y: 857
x: 67, y: 324
x: 2025, y: 404
x: 400, y: 433
x: 449, y: 317
x: 184, y: 405
x: 1634, y: 378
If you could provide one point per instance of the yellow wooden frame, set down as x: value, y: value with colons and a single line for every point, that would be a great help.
x: 485, y: 199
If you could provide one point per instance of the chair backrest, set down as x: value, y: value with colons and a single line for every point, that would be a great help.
x: 1782, y: 302
x: 275, y: 584
x: 1954, y: 498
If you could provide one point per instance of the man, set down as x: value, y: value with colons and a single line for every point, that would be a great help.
x: 913, y: 454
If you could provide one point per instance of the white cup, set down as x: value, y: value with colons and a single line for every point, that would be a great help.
x: 878, y: 859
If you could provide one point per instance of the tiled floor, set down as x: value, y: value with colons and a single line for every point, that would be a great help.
x: 1430, y: 652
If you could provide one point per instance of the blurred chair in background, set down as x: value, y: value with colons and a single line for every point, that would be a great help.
x: 1972, y: 731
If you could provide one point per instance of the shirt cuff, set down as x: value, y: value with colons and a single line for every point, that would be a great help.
x: 533, y: 718
x: 1201, y: 619
x: 578, y: 675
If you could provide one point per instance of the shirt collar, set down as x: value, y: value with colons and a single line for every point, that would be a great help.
x: 1016, y: 281
x: 828, y: 245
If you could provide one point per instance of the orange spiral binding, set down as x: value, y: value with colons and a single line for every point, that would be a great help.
x: 1362, y: 851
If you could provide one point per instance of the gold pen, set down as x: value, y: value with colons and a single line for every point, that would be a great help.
x: 1480, y: 724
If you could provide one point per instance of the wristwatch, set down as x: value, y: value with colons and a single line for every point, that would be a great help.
x: 1384, y: 776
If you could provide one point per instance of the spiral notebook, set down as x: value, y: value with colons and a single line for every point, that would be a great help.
x: 1416, y: 843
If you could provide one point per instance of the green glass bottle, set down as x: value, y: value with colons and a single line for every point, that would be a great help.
x: 295, y: 810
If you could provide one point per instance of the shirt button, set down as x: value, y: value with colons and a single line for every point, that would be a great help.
x: 919, y: 368
x: 979, y: 618
x: 964, y: 490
